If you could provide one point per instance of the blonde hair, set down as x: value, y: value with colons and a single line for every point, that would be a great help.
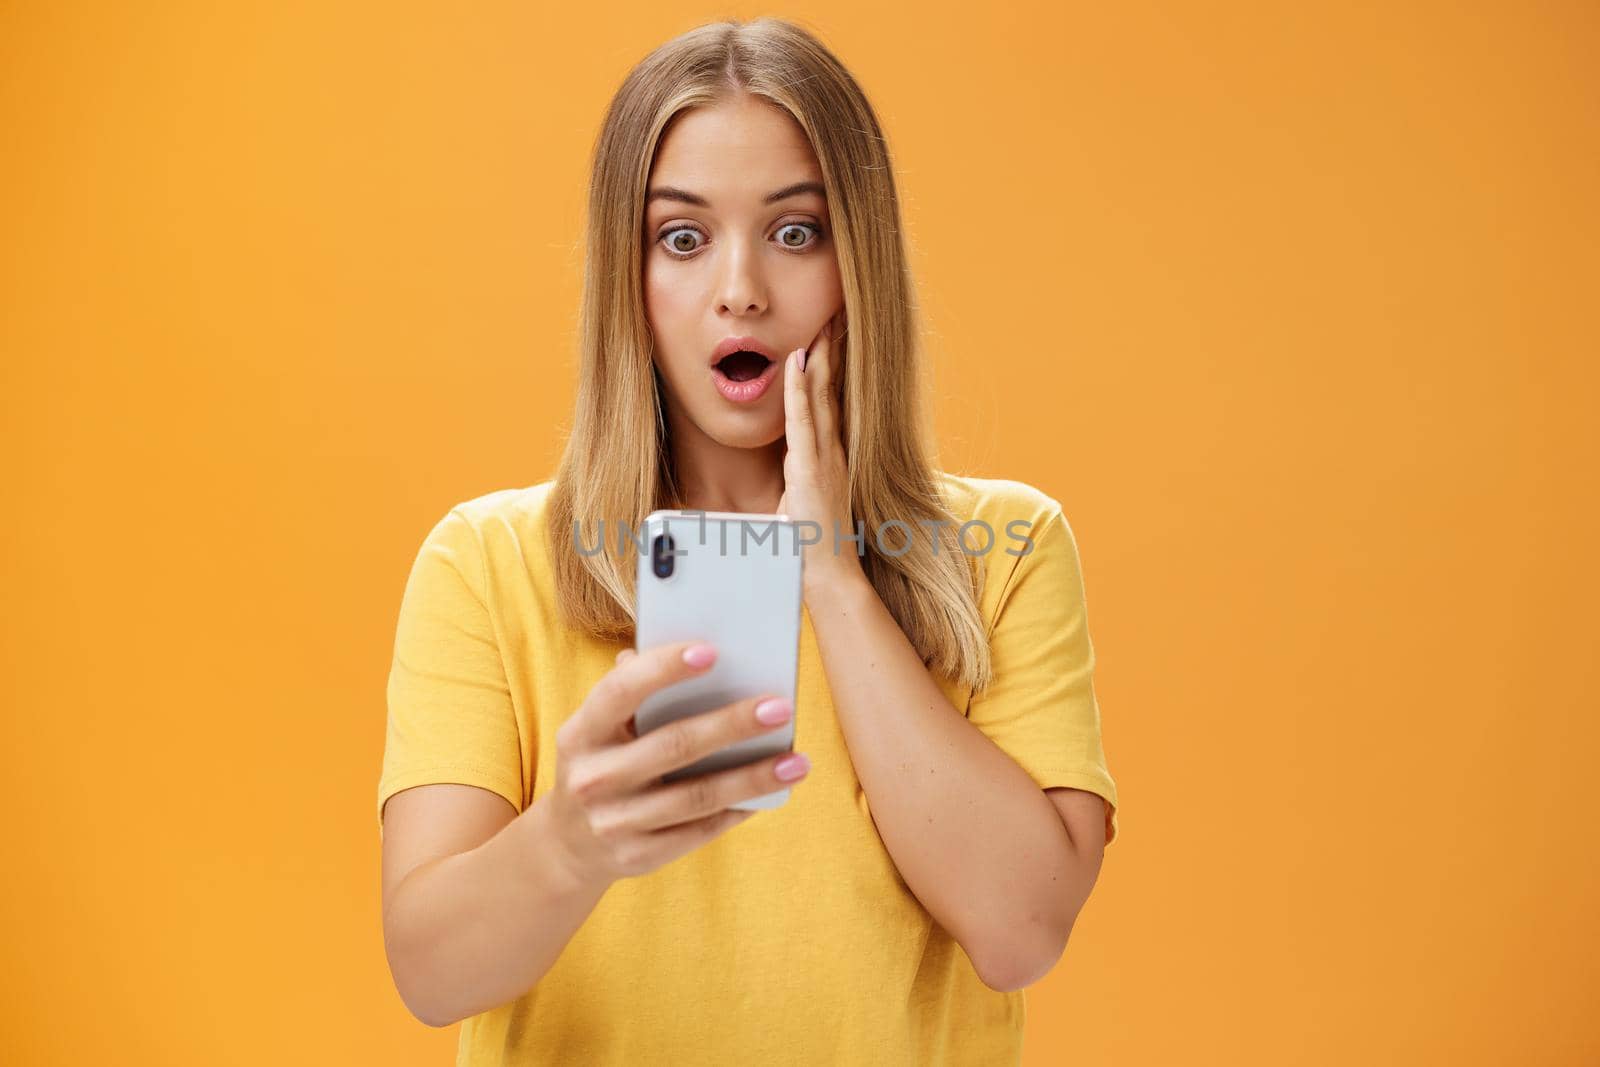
x: 617, y: 460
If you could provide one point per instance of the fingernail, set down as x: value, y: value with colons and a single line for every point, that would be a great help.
x: 791, y: 767
x: 773, y: 712
x: 699, y: 655
x: 804, y: 355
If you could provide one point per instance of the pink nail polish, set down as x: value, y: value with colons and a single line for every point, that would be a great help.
x: 791, y: 767
x: 774, y: 712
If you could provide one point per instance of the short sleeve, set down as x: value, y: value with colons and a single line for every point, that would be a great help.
x: 1041, y: 709
x: 451, y: 717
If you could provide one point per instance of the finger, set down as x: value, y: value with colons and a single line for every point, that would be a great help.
x: 688, y: 799
x: 667, y: 845
x: 797, y: 428
x: 820, y: 374
x: 628, y: 768
x: 838, y: 360
x: 630, y: 727
x: 619, y: 692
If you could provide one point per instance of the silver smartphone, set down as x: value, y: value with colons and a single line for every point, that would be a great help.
x: 732, y: 579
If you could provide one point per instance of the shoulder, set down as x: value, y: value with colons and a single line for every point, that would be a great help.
x: 1027, y: 535
x: 998, y: 501
x: 518, y: 508
x: 503, y: 526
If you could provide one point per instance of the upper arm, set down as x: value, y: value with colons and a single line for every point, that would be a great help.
x: 1041, y: 708
x: 1084, y: 815
x: 429, y: 822
x: 451, y: 715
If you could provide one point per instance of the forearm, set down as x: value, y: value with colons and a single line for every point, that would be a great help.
x: 471, y: 931
x: 974, y: 836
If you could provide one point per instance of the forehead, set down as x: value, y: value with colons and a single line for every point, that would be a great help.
x: 739, y: 149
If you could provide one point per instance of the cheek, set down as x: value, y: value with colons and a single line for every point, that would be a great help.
x: 820, y: 282
x: 670, y: 309
x: 669, y: 297
x: 676, y: 298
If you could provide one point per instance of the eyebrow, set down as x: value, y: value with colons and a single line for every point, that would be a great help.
x: 668, y: 192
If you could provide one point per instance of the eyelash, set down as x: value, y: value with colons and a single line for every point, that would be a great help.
x: 813, y: 227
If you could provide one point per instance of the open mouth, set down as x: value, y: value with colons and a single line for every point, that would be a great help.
x: 743, y: 366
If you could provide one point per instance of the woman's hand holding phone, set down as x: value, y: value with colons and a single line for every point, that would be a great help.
x: 611, y: 813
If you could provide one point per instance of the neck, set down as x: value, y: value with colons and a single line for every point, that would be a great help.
x: 712, y: 476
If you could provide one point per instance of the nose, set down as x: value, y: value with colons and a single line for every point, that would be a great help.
x: 741, y: 288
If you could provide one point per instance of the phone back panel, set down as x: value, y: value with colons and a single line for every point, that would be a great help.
x: 735, y: 582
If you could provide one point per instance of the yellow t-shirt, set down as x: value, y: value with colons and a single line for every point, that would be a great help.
x: 792, y: 938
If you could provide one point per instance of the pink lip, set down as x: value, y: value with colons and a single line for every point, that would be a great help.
x: 729, y: 345
x: 744, y: 392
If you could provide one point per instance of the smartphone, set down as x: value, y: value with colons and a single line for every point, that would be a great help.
x: 733, y: 579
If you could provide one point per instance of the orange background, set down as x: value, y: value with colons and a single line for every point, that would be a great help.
x: 1292, y: 308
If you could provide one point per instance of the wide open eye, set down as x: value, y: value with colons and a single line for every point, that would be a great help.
x: 802, y: 228
x: 675, y: 244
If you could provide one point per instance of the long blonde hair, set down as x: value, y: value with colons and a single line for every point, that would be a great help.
x: 617, y: 461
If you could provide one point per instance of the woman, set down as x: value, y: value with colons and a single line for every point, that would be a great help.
x: 950, y: 800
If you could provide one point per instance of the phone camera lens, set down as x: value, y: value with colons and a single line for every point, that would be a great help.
x: 661, y: 556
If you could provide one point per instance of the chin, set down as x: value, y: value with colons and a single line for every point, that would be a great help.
x: 751, y: 432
